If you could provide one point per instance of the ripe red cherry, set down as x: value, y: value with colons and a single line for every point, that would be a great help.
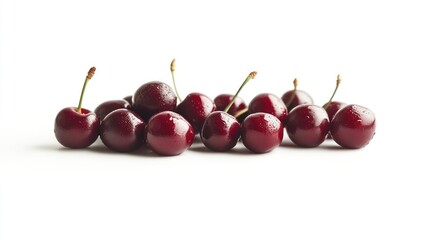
x: 221, y: 131
x: 353, y: 126
x: 195, y: 108
x: 122, y: 130
x: 268, y: 103
x: 261, y: 132
x: 77, y: 127
x: 307, y: 125
x: 153, y: 97
x: 296, y: 97
x: 332, y: 108
x: 222, y: 100
x: 169, y: 134
x: 109, y: 106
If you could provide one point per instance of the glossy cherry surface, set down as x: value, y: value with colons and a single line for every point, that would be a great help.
x: 169, y: 134
x: 269, y: 103
x: 307, y: 125
x: 220, y: 131
x: 122, y: 130
x: 332, y: 108
x: 195, y: 108
x: 222, y: 100
x: 294, y: 98
x: 153, y: 97
x: 109, y: 106
x: 261, y: 132
x: 75, y: 129
x: 353, y: 126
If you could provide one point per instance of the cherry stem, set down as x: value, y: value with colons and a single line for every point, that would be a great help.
x: 335, y: 91
x: 241, y: 112
x: 88, y: 77
x: 251, y: 75
x: 172, y: 69
x: 295, y: 85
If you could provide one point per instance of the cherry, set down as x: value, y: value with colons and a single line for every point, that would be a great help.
x: 77, y: 127
x: 307, y: 125
x: 195, y: 107
x: 122, y: 130
x: 353, y: 126
x: 221, y: 131
x: 261, y: 132
x: 296, y: 97
x: 222, y: 100
x: 169, y: 134
x: 332, y: 107
x: 109, y: 106
x: 153, y: 97
x: 269, y: 103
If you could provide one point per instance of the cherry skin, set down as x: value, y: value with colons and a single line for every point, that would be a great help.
x: 353, y: 126
x: 222, y: 100
x: 109, y: 106
x: 307, y: 125
x: 220, y: 131
x: 195, y: 108
x: 153, y: 97
x: 169, y: 134
x: 261, y: 132
x: 76, y: 129
x: 122, y: 130
x: 269, y: 103
x: 332, y: 108
x: 294, y: 98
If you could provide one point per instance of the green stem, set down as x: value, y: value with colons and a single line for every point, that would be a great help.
x: 88, y: 77
x: 172, y: 69
x: 251, y: 76
x: 295, y: 85
x: 335, y: 91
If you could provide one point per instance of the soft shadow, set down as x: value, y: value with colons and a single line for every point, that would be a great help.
x: 138, y: 153
x: 237, y: 150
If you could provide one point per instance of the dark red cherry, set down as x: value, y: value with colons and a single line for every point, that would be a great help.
x: 129, y: 99
x: 307, y: 125
x: 122, y: 130
x: 295, y: 97
x: 153, y: 97
x: 169, y: 134
x: 109, y: 106
x: 220, y: 131
x: 195, y: 108
x: 353, y: 126
x: 77, y: 127
x: 269, y: 103
x: 261, y: 132
x: 222, y: 100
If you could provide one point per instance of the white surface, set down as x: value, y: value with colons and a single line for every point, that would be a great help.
x: 379, y: 48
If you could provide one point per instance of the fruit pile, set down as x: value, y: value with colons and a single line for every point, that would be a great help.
x: 157, y: 118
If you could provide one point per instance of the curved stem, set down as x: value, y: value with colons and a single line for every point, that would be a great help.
x: 295, y: 85
x: 88, y: 77
x: 335, y: 91
x: 172, y: 69
x: 251, y: 75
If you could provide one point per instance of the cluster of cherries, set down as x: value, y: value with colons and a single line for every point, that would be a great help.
x: 152, y: 118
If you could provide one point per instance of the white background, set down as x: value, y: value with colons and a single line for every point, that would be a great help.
x: 379, y: 47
